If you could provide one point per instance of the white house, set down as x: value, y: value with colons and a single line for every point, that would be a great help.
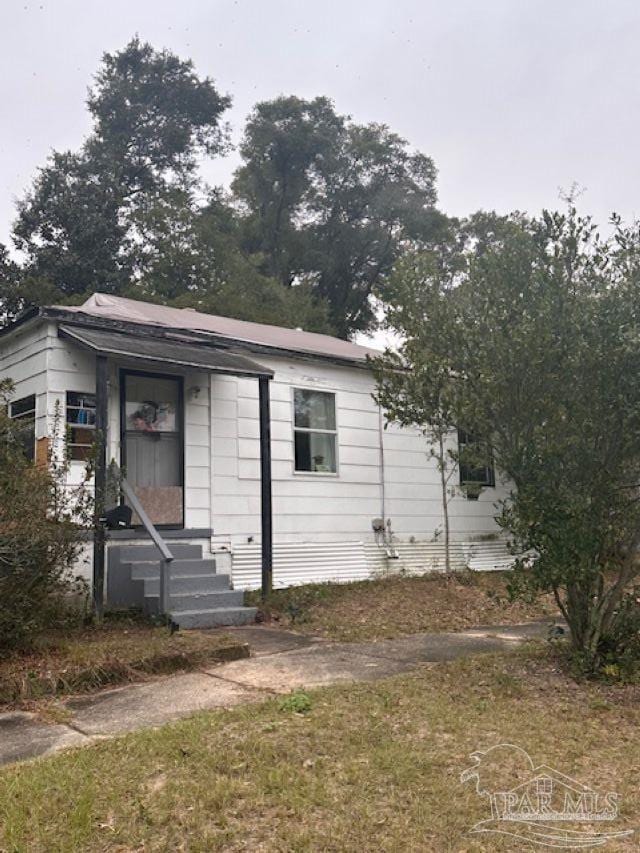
x: 225, y: 429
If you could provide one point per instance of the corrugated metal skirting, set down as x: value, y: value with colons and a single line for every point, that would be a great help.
x: 316, y: 562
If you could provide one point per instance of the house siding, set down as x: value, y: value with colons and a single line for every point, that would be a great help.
x: 23, y: 359
x: 382, y: 472
x: 321, y: 523
x: 321, y: 508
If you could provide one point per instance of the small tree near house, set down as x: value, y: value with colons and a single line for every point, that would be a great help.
x: 413, y: 383
x: 40, y: 522
x: 534, y: 346
x: 418, y: 397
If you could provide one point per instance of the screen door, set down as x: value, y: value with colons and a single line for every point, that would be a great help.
x: 153, y: 445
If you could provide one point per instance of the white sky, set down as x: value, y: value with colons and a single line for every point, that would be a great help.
x: 513, y: 99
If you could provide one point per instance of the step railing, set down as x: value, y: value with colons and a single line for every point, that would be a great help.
x: 166, y: 557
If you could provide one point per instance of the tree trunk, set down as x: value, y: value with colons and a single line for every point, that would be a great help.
x: 445, y: 503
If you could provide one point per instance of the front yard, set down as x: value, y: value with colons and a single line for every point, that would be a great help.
x: 393, y: 606
x: 78, y: 660
x: 369, y: 766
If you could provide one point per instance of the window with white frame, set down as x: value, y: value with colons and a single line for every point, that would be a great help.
x: 315, y: 432
x: 81, y: 425
x: 24, y: 411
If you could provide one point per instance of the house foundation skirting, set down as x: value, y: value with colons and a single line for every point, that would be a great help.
x: 316, y: 562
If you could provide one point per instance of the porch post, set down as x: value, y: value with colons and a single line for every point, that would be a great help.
x: 265, y: 485
x: 102, y: 395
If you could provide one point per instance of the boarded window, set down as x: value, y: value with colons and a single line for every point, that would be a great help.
x: 24, y: 412
x: 315, y: 433
x: 81, y: 424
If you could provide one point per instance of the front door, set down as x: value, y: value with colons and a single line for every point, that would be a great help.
x: 152, y: 444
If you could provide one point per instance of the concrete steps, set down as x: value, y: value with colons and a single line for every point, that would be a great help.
x: 215, y: 616
x: 198, y: 596
x: 196, y: 600
x: 189, y: 583
x: 148, y: 570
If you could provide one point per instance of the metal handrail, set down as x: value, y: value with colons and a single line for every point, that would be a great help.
x: 166, y: 556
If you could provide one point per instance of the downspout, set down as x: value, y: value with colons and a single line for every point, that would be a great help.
x: 383, y: 515
x: 386, y: 533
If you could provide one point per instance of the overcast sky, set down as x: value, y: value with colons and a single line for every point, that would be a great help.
x: 514, y: 99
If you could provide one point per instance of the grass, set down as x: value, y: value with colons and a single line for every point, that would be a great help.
x: 83, y: 659
x: 359, y: 767
x: 393, y: 606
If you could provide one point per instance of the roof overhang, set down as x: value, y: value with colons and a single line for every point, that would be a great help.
x: 178, y: 353
x: 67, y: 317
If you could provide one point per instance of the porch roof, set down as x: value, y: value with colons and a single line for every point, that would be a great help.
x: 179, y: 353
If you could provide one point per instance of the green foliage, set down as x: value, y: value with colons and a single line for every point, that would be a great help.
x: 39, y: 537
x: 320, y: 209
x: 298, y: 702
x: 193, y: 259
x: 85, y: 224
x: 284, y: 145
x: 620, y: 645
x: 333, y: 201
x: 537, y: 331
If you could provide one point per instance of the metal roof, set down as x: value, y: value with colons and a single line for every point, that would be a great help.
x: 200, y: 355
x: 290, y: 340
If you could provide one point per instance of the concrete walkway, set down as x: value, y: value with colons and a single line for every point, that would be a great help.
x: 281, y: 661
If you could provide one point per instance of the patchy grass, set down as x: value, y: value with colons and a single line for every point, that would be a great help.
x: 365, y: 766
x: 77, y: 660
x: 393, y: 606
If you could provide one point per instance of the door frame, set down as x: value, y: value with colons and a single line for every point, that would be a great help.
x: 176, y: 377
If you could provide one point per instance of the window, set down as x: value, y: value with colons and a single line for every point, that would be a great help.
x: 81, y: 424
x: 315, y: 434
x: 24, y: 411
x: 472, y: 473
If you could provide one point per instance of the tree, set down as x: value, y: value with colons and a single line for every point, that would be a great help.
x: 78, y: 227
x: 285, y: 142
x: 9, y: 285
x: 192, y: 258
x: 40, y: 518
x: 332, y: 200
x: 372, y: 202
x: 538, y: 336
x: 423, y: 395
x: 70, y: 230
x: 128, y: 213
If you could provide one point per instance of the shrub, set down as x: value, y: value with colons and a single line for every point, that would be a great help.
x: 525, y: 333
x: 39, y: 536
x: 620, y: 647
x: 297, y: 702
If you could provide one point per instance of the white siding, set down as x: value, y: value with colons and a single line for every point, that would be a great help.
x: 316, y: 510
x: 322, y: 523
x: 72, y: 369
x: 23, y: 359
x: 413, y: 492
x: 306, y: 507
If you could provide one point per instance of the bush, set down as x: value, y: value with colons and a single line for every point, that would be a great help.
x: 525, y: 333
x: 620, y: 647
x: 39, y: 536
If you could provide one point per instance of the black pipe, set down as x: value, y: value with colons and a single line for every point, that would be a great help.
x: 102, y: 402
x: 265, y: 486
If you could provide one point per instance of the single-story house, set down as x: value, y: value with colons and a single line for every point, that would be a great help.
x: 246, y: 444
